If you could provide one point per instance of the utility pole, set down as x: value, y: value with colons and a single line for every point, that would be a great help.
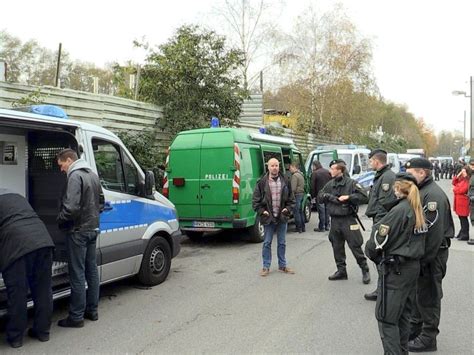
x: 56, y: 83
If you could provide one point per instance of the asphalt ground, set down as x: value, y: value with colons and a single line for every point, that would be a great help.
x: 214, y: 301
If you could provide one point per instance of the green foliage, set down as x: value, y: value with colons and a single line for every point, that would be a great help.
x: 143, y: 147
x: 33, y: 98
x: 193, y: 77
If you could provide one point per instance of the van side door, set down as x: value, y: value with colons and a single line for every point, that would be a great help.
x: 123, y: 221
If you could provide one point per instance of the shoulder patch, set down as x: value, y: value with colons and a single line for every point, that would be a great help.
x: 432, y: 206
x: 385, y: 187
x: 383, y: 230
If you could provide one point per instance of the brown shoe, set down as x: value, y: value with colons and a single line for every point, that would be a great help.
x: 286, y: 270
x: 264, y: 272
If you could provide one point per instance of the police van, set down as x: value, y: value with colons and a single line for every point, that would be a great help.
x: 356, y: 158
x: 139, y: 229
x: 211, y: 174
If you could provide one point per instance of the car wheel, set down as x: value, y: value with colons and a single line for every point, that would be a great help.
x: 256, y: 232
x: 156, y: 262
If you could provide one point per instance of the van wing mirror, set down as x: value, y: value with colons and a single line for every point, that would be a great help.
x: 356, y: 170
x: 149, y: 183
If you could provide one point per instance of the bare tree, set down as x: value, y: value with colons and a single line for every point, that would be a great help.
x: 249, y: 26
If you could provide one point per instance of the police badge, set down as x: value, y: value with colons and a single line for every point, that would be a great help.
x: 385, y: 187
x: 432, y: 206
x: 383, y: 230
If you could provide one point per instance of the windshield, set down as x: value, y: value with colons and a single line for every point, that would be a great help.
x: 326, y: 158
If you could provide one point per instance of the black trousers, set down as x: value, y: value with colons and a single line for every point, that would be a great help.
x: 33, y: 270
x: 346, y: 229
x: 464, y: 232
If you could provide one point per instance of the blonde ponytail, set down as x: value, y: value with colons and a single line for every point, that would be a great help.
x: 409, y: 189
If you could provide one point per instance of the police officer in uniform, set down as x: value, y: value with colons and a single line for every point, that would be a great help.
x: 381, y: 195
x: 396, y: 244
x: 342, y: 196
x: 426, y: 316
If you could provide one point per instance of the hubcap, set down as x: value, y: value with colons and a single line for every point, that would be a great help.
x: 261, y: 230
x: 157, y: 260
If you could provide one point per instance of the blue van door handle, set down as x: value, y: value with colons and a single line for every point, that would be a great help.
x: 205, y: 186
x: 108, y: 206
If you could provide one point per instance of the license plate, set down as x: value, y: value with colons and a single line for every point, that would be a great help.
x: 203, y: 224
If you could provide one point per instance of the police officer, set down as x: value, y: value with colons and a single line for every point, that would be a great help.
x: 426, y: 316
x: 381, y: 195
x: 396, y: 244
x: 342, y: 196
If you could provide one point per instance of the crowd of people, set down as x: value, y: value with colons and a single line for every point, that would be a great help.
x: 409, y: 241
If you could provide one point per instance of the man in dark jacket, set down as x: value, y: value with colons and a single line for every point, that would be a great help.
x: 25, y: 260
x: 381, y: 194
x: 425, y: 319
x: 273, y: 201
x: 343, y: 196
x: 297, y: 187
x: 79, y: 216
x: 319, y: 178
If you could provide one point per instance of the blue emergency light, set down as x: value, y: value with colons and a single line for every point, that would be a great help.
x: 48, y: 110
x: 215, y: 122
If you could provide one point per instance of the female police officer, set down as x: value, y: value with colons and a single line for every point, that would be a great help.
x: 396, y: 245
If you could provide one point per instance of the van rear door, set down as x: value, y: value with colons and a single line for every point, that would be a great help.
x: 184, y: 174
x: 216, y: 175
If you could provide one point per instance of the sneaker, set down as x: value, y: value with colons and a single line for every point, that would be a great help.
x: 93, y: 316
x: 286, y: 270
x: 41, y: 337
x: 264, y: 272
x: 69, y: 323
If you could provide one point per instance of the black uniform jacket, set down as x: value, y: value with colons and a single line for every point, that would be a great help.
x: 438, y: 217
x: 262, y: 200
x: 339, y: 186
x: 82, y: 200
x: 398, y: 226
x: 381, y: 194
x: 21, y: 230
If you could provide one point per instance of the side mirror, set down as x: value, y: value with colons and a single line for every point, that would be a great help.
x: 149, y: 183
x: 356, y: 170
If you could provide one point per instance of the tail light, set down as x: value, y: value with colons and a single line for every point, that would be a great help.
x: 235, y: 195
x: 178, y: 182
x: 166, y: 192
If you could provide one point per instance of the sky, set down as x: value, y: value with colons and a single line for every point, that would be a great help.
x: 422, y: 49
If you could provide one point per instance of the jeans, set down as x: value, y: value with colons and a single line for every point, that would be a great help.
x: 81, y: 247
x: 298, y: 212
x: 33, y: 270
x: 269, y: 230
x: 323, y: 217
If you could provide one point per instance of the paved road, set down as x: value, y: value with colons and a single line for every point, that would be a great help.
x: 215, y: 302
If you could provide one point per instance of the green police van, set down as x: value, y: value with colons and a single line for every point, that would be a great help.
x: 211, y: 174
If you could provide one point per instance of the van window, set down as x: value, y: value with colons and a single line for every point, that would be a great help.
x: 131, y: 176
x: 268, y: 155
x: 109, y: 165
x: 364, y: 162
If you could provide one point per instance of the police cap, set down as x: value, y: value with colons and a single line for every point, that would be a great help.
x: 377, y: 151
x: 337, y: 161
x: 406, y: 176
x: 419, y: 163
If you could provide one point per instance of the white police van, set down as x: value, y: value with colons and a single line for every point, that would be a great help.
x: 139, y: 229
x: 356, y: 158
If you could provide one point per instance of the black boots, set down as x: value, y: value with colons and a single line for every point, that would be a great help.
x: 365, y: 276
x: 371, y: 296
x: 338, y: 275
x: 418, y: 346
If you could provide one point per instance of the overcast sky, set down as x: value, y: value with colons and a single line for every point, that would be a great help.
x: 423, y: 50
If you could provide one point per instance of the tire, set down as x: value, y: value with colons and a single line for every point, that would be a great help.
x: 256, y: 232
x: 156, y: 262
x: 307, y: 210
x: 194, y: 236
